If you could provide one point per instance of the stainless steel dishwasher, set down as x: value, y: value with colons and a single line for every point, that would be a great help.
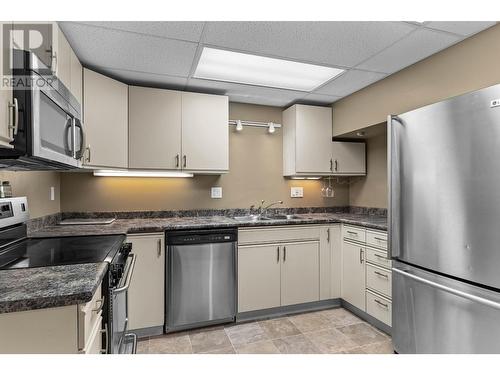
x: 201, y: 278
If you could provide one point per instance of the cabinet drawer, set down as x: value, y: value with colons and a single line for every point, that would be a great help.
x: 378, y: 307
x: 88, y: 315
x: 378, y: 279
x: 354, y: 233
x: 376, y: 239
x: 94, y: 343
x: 277, y: 234
x: 378, y: 257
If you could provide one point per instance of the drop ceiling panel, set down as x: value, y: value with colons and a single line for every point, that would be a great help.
x: 246, y: 93
x: 146, y: 79
x: 464, y: 28
x: 417, y: 46
x: 333, y: 43
x: 100, y: 47
x: 184, y: 30
x: 349, y: 82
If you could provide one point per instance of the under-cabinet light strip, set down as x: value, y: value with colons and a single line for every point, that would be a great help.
x: 140, y: 173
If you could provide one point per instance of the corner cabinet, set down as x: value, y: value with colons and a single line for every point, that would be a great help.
x: 105, y: 117
x: 174, y: 130
x: 146, y: 296
x: 308, y: 149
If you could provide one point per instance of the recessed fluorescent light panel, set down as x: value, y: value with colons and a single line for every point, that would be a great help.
x: 228, y: 66
x: 139, y: 173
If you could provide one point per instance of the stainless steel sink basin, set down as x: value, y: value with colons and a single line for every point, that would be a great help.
x: 250, y: 218
x: 282, y: 217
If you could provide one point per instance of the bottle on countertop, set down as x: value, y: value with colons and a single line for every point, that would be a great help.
x: 5, y: 189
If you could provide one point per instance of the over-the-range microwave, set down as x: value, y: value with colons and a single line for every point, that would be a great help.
x: 46, y: 119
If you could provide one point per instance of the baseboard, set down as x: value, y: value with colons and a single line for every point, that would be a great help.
x: 284, y: 310
x: 149, y: 331
x: 370, y: 319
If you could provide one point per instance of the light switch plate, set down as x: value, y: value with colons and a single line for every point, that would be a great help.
x: 216, y: 192
x: 297, y: 192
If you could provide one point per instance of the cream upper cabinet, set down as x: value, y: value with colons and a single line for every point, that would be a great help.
x: 299, y: 273
x: 62, y: 57
x: 307, y: 140
x: 76, y: 80
x: 105, y: 116
x: 6, y: 100
x: 154, y: 128
x: 349, y: 158
x: 258, y: 277
x: 205, y: 132
x: 353, y: 274
x: 146, y: 295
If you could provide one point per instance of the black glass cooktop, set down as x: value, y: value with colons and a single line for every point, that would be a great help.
x: 41, y: 252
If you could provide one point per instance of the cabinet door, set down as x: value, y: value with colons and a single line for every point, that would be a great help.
x: 313, y: 139
x: 205, y: 132
x: 154, y: 128
x: 300, y: 273
x: 105, y: 116
x: 258, y: 277
x: 62, y: 57
x: 349, y: 157
x: 353, y: 274
x: 5, y: 93
x: 146, y: 295
x: 76, y: 77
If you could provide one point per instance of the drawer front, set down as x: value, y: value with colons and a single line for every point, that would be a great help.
x: 379, y: 279
x: 378, y: 257
x: 89, y: 313
x: 376, y: 239
x: 94, y: 343
x: 277, y: 234
x: 354, y: 233
x: 378, y: 307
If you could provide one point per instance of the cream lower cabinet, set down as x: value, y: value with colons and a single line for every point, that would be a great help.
x: 60, y: 330
x: 105, y: 117
x: 146, y: 295
x: 353, y: 274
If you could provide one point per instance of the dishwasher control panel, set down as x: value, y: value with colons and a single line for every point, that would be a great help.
x: 202, y: 236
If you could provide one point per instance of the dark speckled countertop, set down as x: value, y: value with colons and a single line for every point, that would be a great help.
x: 36, y: 288
x: 145, y: 225
x: 43, y: 287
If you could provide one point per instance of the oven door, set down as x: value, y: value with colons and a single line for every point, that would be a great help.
x: 54, y: 130
x: 122, y: 342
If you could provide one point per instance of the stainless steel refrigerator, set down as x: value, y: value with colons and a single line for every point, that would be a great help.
x: 444, y: 225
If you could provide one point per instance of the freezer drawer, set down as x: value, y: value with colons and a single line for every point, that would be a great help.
x: 436, y: 314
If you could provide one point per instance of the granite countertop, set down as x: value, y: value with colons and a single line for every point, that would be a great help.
x: 150, y: 225
x: 43, y: 287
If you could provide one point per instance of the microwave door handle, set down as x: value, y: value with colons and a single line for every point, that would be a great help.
x: 78, y: 154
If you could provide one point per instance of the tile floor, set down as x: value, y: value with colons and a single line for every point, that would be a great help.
x: 327, y: 331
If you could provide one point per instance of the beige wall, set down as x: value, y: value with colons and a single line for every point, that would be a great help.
x: 36, y: 186
x: 466, y: 66
x: 255, y: 161
x: 371, y: 191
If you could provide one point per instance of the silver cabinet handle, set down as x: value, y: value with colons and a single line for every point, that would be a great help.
x: 54, y: 59
x: 336, y: 165
x: 15, y: 117
x: 101, y: 305
x: 184, y: 158
x: 284, y: 253
x: 380, y: 239
x: 88, y: 153
x: 353, y: 233
x: 361, y: 256
x: 331, y: 165
x: 381, y: 257
x: 177, y: 157
x: 381, y: 274
x: 105, y: 331
x: 328, y: 235
x: 129, y: 275
x: 384, y: 305
x: 445, y: 288
x: 278, y: 254
x: 159, y: 247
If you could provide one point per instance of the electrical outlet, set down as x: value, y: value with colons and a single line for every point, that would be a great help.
x: 297, y: 192
x: 216, y: 192
x: 52, y: 193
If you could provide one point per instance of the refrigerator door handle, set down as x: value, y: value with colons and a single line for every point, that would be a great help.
x: 445, y: 288
x: 393, y: 208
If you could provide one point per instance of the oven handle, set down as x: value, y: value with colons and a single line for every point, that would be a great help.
x: 129, y: 275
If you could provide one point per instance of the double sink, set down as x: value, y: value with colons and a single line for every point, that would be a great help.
x: 265, y: 218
